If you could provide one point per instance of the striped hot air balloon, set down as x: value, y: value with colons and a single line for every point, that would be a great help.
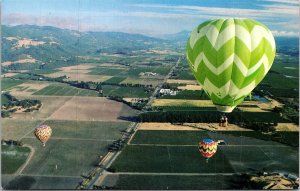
x: 208, y: 148
x: 43, y: 133
x: 229, y: 57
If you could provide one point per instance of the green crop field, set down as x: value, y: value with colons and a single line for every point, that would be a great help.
x: 151, y: 153
x: 7, y: 83
x: 192, y: 137
x: 174, y: 182
x: 185, y: 75
x: 41, y: 182
x: 272, y: 79
x: 45, y: 71
x: 86, y: 129
x: 108, y: 71
x: 172, y: 159
x: 75, y: 147
x: 73, y: 157
x: 65, y: 90
x: 115, y: 80
x: 122, y: 91
x: 4, y: 99
x: 12, y: 157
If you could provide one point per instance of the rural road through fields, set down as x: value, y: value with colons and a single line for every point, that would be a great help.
x: 20, y: 170
x: 158, y: 87
x: 132, y: 128
x: 109, y: 159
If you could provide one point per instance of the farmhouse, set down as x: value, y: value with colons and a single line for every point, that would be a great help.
x: 168, y: 92
x: 148, y: 74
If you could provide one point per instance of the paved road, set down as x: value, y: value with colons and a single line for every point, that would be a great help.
x: 100, y: 176
x: 111, y: 157
x: 158, y: 87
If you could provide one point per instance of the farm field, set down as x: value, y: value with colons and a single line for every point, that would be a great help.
x: 65, y: 90
x: 27, y: 88
x: 7, y: 83
x: 144, y: 81
x: 90, y: 109
x: 13, y: 157
x: 177, y: 157
x: 75, y: 147
x: 172, y: 182
x: 39, y: 182
x: 122, y: 91
x: 49, y: 105
x: 115, y: 80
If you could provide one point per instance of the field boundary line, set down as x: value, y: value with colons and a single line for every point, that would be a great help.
x: 32, y: 151
x: 45, y: 175
x: 171, y: 173
x: 79, y: 139
x: 135, y: 130
x: 195, y: 145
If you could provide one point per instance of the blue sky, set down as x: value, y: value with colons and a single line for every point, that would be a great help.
x: 149, y: 17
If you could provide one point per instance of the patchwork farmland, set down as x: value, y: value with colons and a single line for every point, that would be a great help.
x: 115, y: 124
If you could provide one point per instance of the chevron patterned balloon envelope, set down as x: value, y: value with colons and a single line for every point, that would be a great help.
x: 208, y: 148
x: 229, y: 58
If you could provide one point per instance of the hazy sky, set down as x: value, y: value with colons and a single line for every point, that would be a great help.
x: 150, y: 17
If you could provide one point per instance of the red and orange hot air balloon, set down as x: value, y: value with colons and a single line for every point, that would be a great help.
x: 43, y: 133
x: 208, y: 148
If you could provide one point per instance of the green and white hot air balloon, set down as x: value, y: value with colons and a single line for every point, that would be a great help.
x: 229, y: 58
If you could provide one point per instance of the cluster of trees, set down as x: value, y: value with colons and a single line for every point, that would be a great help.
x: 139, y: 105
x: 14, y: 104
x: 11, y: 142
x: 250, y: 120
x: 289, y: 112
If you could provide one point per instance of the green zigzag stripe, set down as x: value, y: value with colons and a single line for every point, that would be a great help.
x: 229, y: 57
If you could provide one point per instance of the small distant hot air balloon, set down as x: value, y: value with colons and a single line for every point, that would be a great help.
x: 208, y: 148
x: 43, y: 133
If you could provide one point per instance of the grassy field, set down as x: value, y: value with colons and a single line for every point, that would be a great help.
x: 185, y: 75
x: 174, y: 152
x: 4, y: 99
x: 45, y: 71
x: 122, y: 91
x: 107, y: 71
x: 41, y: 183
x: 174, y: 182
x: 65, y: 90
x: 14, y: 129
x: 115, y: 80
x: 7, y: 83
x: 75, y: 147
x: 86, y: 129
x: 180, y: 137
x: 12, y: 157
x: 178, y: 159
